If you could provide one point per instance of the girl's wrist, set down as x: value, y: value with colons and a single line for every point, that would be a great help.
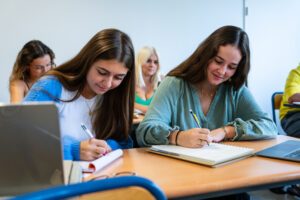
x: 172, y: 137
x: 176, y: 138
x: 225, y: 133
x: 229, y: 132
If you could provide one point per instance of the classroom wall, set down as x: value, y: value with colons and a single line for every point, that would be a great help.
x: 274, y: 30
x: 174, y: 27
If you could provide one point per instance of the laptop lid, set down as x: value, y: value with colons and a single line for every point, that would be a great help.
x: 30, y: 148
x: 288, y: 150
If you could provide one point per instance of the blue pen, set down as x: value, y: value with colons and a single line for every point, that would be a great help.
x: 197, y: 121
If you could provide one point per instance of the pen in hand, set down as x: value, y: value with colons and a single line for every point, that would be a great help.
x: 197, y: 121
x: 87, y: 131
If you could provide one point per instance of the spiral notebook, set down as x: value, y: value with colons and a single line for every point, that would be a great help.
x: 214, y: 155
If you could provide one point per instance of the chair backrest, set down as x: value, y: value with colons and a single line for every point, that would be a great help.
x: 62, y: 192
x: 276, y: 101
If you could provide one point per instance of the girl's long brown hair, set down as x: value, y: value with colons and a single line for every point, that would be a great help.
x: 194, y: 68
x: 112, y: 117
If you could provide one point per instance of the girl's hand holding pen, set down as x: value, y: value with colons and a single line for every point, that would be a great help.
x: 92, y: 149
x: 193, y: 138
x: 197, y: 122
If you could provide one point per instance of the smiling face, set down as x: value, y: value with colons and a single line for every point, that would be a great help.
x: 104, y: 75
x: 224, y: 65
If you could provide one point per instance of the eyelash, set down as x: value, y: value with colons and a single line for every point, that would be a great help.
x: 101, y: 73
x: 105, y: 73
x: 155, y: 62
x: 119, y: 78
x: 220, y: 62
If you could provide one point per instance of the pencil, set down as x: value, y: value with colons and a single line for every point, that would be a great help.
x: 197, y: 121
x: 195, y: 118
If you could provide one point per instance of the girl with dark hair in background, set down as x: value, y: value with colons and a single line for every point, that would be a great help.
x: 34, y: 59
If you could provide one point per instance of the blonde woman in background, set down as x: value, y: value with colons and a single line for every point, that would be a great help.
x: 147, y: 78
x: 34, y: 59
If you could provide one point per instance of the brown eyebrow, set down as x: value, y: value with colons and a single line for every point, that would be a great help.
x: 43, y: 65
x: 109, y: 71
x: 103, y: 69
x: 236, y: 64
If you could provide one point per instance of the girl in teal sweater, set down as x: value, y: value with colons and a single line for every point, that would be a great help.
x: 211, y: 84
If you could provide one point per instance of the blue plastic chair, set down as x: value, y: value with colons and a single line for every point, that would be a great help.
x: 276, y: 100
x: 61, y: 192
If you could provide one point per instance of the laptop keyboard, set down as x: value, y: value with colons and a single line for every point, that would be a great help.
x: 294, y: 154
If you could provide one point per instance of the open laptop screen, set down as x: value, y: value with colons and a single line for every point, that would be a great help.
x: 30, y: 148
x: 288, y: 150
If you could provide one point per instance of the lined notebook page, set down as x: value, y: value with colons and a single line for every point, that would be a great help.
x: 213, y: 154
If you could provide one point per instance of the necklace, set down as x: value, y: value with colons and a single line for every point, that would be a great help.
x: 88, y: 106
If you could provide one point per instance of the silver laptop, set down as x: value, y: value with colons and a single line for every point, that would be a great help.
x: 288, y: 150
x: 31, y: 149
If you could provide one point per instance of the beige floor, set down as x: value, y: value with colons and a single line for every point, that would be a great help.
x: 267, y: 195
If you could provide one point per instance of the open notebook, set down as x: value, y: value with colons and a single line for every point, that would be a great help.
x: 214, y: 155
x: 100, y: 163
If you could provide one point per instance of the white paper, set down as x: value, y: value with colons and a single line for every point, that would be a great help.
x: 101, y: 162
x: 213, y: 154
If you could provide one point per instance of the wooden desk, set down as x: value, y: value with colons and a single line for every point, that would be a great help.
x: 180, y: 179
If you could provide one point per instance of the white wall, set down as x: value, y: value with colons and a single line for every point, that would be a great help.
x: 174, y: 27
x: 274, y: 30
